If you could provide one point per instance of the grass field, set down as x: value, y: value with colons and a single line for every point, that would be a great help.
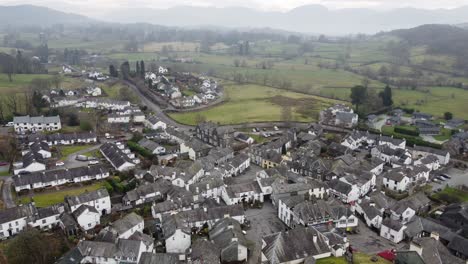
x: 451, y: 195
x: 174, y: 46
x: 254, y: 103
x: 359, y: 258
x: 54, y: 197
x: 68, y: 150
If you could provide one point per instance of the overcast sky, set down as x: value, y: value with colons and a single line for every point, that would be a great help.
x: 95, y: 7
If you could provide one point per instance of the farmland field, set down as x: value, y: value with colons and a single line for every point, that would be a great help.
x: 254, y: 103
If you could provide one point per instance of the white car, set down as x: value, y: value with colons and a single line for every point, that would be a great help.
x: 59, y: 163
x: 9, y: 124
x: 92, y: 162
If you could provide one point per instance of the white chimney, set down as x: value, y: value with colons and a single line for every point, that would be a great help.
x: 314, y: 238
x: 416, y: 247
x: 435, y: 235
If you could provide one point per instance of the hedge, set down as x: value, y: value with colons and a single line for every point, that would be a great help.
x: 405, y: 131
x: 133, y: 146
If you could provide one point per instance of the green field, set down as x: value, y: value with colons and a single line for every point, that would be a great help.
x: 451, y: 195
x: 359, y: 258
x: 68, y: 150
x: 254, y: 103
x: 54, y: 197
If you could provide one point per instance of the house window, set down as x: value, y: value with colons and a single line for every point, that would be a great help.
x: 43, y: 221
x: 89, y: 225
x: 16, y: 223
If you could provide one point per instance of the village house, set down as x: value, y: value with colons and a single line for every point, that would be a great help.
x: 198, y: 217
x: 98, y: 199
x: 93, y: 91
x: 65, y: 101
x: 152, y: 147
x: 295, y: 246
x: 230, y: 240
x: 146, y: 193
x: 104, y: 103
x: 212, y: 134
x: 174, y: 206
x: 121, y: 251
x: 115, y: 118
x: 394, y: 157
x: 235, y: 166
x: 392, y: 230
x: 195, y: 148
x: 442, y: 155
x: 208, y: 187
x: 127, y: 226
x: 242, y: 193
x: 177, y: 235
x: 155, y: 123
x: 431, y: 250
x: 120, y: 158
x: 16, y: 219
x: 344, y: 191
x: 39, y: 148
x: 405, y: 209
x: 53, y: 178
x: 298, y: 211
x: 64, y: 139
x: 39, y: 123
x: 311, y: 188
x: 30, y: 162
x: 87, y: 217
x: 339, y: 115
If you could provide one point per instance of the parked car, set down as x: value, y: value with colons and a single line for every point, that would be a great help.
x: 254, y: 130
x: 9, y: 124
x: 275, y: 128
x: 446, y: 176
x: 59, y: 163
x: 440, y: 178
x: 92, y: 162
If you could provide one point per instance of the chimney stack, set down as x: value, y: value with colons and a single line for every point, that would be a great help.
x: 435, y: 235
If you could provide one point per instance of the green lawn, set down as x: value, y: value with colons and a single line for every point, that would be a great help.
x: 5, y: 173
x: 54, y: 197
x: 95, y: 153
x: 68, y: 150
x: 254, y: 103
x: 445, y: 134
x: 359, y: 258
x: 451, y: 195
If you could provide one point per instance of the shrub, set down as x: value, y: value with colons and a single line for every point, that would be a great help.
x: 405, y: 131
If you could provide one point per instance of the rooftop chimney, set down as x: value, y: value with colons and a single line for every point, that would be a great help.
x: 435, y: 235
x: 416, y: 247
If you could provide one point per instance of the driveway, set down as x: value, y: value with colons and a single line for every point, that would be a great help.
x: 7, y: 196
x: 370, y: 242
x: 263, y: 222
x: 71, y: 162
x: 458, y: 177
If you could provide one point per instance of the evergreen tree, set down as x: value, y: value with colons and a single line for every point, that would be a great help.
x: 137, y: 67
x: 386, y: 96
x: 358, y: 95
x: 142, y: 69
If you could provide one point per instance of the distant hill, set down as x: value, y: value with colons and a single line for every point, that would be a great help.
x: 40, y: 16
x: 440, y: 39
x: 309, y: 19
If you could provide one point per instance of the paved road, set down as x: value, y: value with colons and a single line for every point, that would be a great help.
x: 71, y: 162
x: 7, y: 197
x: 158, y: 111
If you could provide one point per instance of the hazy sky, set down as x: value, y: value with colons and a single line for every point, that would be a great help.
x: 95, y: 7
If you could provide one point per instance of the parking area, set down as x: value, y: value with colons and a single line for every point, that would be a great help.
x: 370, y: 242
x: 263, y: 222
x: 458, y: 177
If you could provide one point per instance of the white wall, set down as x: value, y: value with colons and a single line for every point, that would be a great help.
x: 179, y: 242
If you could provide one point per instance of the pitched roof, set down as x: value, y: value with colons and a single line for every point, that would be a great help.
x: 294, y: 244
x: 87, y: 197
x: 434, y: 252
x: 156, y: 258
x: 126, y: 223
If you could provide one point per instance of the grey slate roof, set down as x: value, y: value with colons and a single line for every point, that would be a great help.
x: 87, y: 197
x: 157, y: 258
x: 36, y: 119
x: 115, y: 155
x: 126, y: 223
x: 227, y: 235
x: 295, y: 244
x: 205, y: 251
x: 82, y: 209
x: 434, y: 252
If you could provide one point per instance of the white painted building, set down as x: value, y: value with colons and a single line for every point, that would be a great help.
x: 87, y: 217
x: 38, y: 123
x: 392, y: 230
x: 98, y: 199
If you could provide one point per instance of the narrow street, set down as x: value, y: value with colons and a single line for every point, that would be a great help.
x: 7, y: 196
